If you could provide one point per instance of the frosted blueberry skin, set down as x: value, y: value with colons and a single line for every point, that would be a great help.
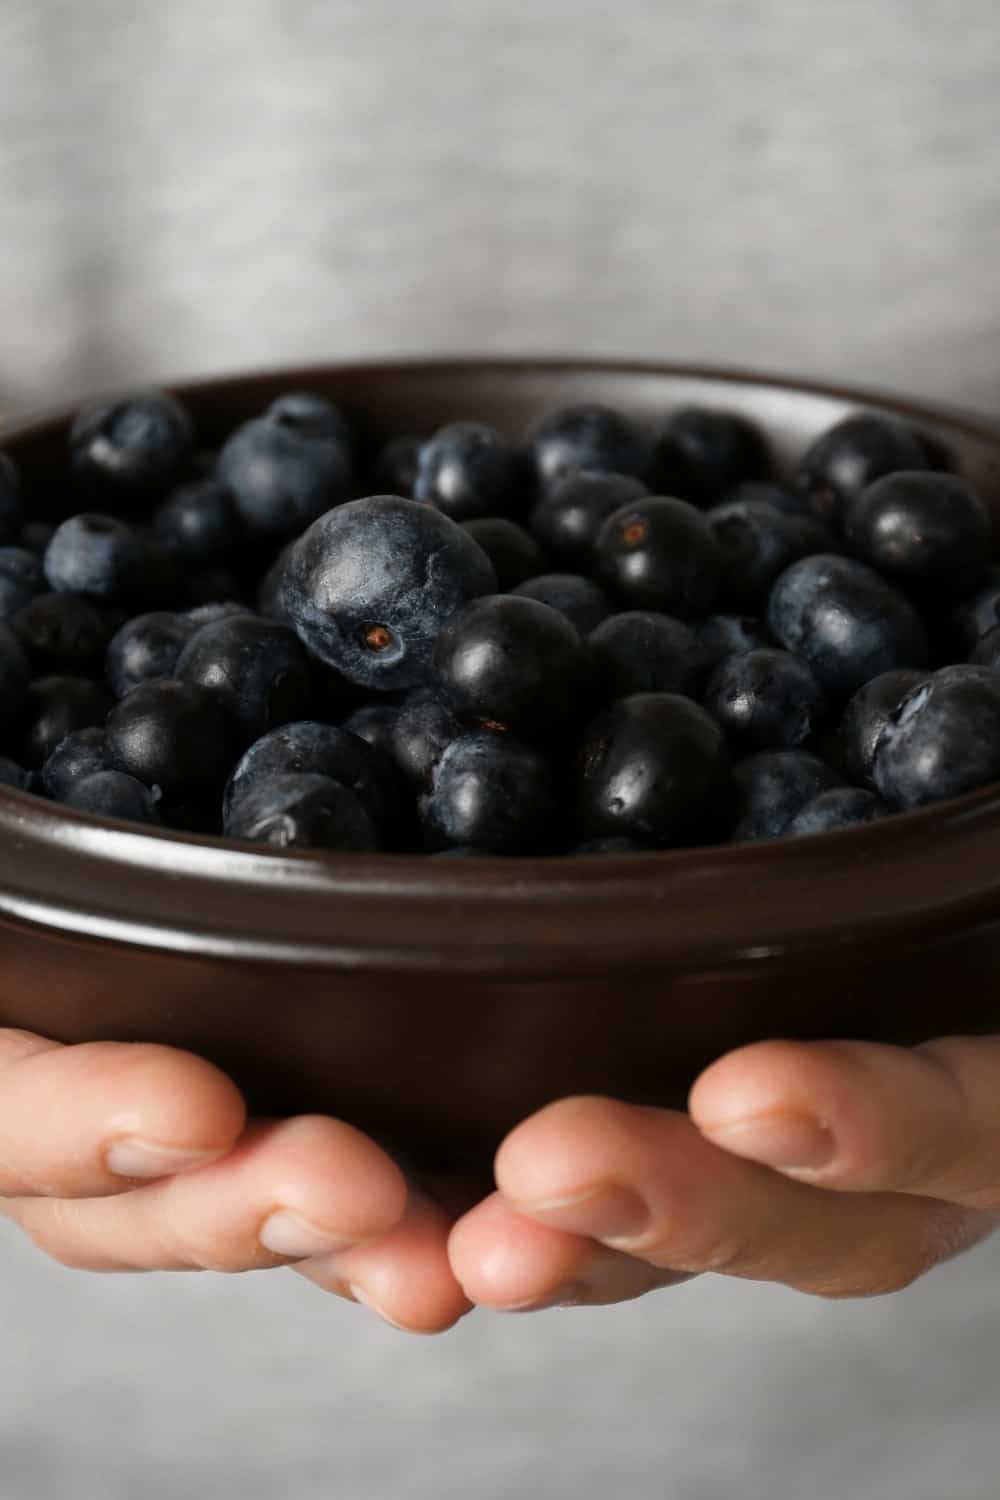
x: 371, y: 584
x: 942, y: 740
x: 282, y: 478
x: 314, y: 749
x: 129, y: 452
x: 302, y: 811
x: 773, y: 787
x: 80, y: 754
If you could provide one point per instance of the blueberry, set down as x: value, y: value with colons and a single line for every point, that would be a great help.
x: 765, y: 700
x: 729, y: 635
x: 63, y: 633
x: 492, y: 792
x: 303, y: 811
x: 146, y: 648
x: 420, y: 733
x: 924, y: 530
x: 772, y: 789
x: 840, y: 807
x: 282, y: 479
x: 654, y: 768
x: 644, y: 652
x: 198, y: 522
x: 36, y: 536
x: 585, y: 437
x: 102, y: 558
x: 311, y: 416
x: 513, y: 662
x: 370, y: 585
x: 583, y: 602
x: 374, y: 723
x: 177, y: 736
x: 130, y: 451
x: 396, y: 467
x: 113, y: 794
x: 698, y: 455
x: 980, y: 613
x: 80, y: 754
x: 849, y: 457
x: 986, y: 652
x: 15, y: 674
x: 313, y: 749
x: 847, y: 621
x: 661, y: 554
x: 760, y: 543
x: 514, y: 554
x: 942, y: 739
x: 468, y: 470
x: 258, y: 666
x: 11, y: 502
x: 866, y: 716
x: 21, y: 579
x: 56, y: 707
x: 14, y: 776
x: 569, y: 517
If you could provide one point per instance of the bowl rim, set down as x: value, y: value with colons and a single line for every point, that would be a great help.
x: 86, y: 877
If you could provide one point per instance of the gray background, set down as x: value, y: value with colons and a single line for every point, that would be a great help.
x: 199, y: 187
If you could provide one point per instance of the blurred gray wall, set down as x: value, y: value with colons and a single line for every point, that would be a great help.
x: 198, y: 187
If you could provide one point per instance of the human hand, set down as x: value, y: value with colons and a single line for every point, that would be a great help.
x: 128, y: 1157
x: 843, y: 1169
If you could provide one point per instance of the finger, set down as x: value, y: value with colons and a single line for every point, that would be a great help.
x: 859, y: 1116
x: 288, y: 1190
x: 404, y: 1275
x: 645, y: 1181
x: 514, y: 1264
x: 93, y: 1119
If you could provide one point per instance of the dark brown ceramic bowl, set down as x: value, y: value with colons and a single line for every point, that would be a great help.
x: 436, y: 1003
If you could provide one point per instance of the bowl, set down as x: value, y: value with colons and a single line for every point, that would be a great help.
x: 436, y: 1003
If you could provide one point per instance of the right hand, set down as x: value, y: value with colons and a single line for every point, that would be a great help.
x: 135, y: 1157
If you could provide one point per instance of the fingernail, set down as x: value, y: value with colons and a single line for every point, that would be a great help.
x: 135, y: 1158
x: 792, y: 1143
x: 285, y: 1233
x: 605, y: 1213
x: 360, y: 1295
x: 564, y: 1296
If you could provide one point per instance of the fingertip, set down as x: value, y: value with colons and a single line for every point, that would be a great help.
x: 749, y: 1081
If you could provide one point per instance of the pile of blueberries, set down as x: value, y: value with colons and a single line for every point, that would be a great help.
x: 599, y: 640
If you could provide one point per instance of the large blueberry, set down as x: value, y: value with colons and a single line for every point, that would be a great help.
x: 493, y: 793
x: 849, y: 457
x: 113, y: 794
x: 641, y: 651
x: 148, y: 646
x: 467, y: 470
x: 661, y: 554
x: 867, y: 714
x: 698, y: 454
x: 21, y: 579
x: 569, y: 516
x: 922, y: 529
x: 281, y: 478
x: 130, y: 451
x: 302, y: 811
x: 311, y: 416
x: 258, y: 666
x: 310, y: 748
x: 773, y: 787
x: 177, y: 736
x: 765, y: 700
x: 370, y: 585
x: 11, y: 502
x: 586, y: 437
x: 104, y: 559
x: 654, y: 768
x: 847, y: 621
x: 583, y: 602
x: 942, y: 739
x: 80, y: 754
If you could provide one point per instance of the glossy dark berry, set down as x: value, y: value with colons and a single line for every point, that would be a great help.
x: 515, y: 554
x: 198, y: 521
x: 303, y: 811
x: 942, y: 740
x: 729, y: 635
x: 147, y: 647
x: 977, y: 615
x: 644, y: 652
x: 80, y: 754
x: 131, y: 451
x: 102, y: 558
x: 765, y: 700
x: 584, y: 603
x: 11, y: 502
x: 847, y: 621
x: 922, y: 529
x: 773, y: 787
x: 258, y: 666
x: 174, y: 735
x: 21, y: 578
x: 760, y: 543
x: 492, y: 792
x: 282, y: 479
x: 15, y: 674
x: 63, y: 633
x: 314, y: 749
x: 849, y: 457
x: 421, y: 732
x: 56, y: 706
x: 654, y: 768
x: 14, y: 776
x: 512, y: 661
x: 586, y: 437
x: 867, y: 714
x: 663, y: 555
x: 468, y: 470
x: 370, y: 585
x: 569, y: 517
x: 311, y: 415
x: 36, y: 537
x: 840, y: 807
x: 396, y: 467
x: 698, y: 455
x: 113, y: 794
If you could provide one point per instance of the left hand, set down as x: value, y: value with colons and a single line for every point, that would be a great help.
x: 843, y: 1169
